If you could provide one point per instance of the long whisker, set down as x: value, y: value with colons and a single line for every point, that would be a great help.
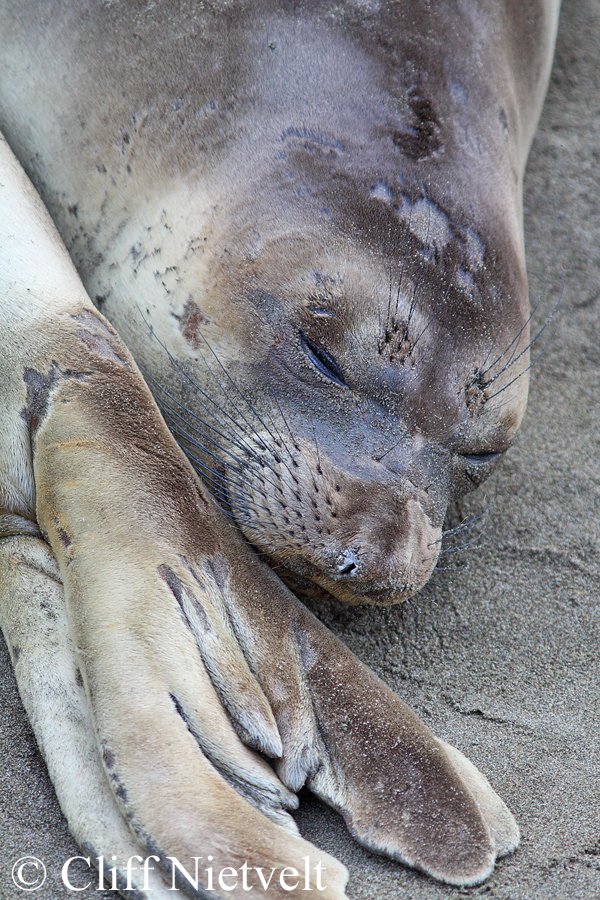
x: 418, y: 279
x: 197, y: 392
x: 530, y: 344
x: 245, y: 399
x: 227, y: 436
x: 240, y: 442
x: 175, y: 418
x: 520, y: 375
x: 464, y: 526
x: 405, y: 256
x: 278, y: 457
x: 514, y: 343
x: 285, y: 421
x: 515, y: 339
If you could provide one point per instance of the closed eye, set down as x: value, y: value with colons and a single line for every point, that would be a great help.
x: 482, y: 458
x: 322, y: 361
x: 479, y: 466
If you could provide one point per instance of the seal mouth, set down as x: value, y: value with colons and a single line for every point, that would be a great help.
x: 373, y: 594
x: 316, y: 584
x: 352, y: 579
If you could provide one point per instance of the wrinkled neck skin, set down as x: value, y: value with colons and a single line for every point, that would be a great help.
x: 314, y: 244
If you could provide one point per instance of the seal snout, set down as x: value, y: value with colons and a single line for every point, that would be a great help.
x: 362, y: 537
x: 392, y: 551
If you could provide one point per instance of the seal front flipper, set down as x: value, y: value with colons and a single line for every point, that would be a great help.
x: 179, y: 772
x: 402, y: 791
x: 34, y: 622
x: 89, y: 470
x: 356, y: 745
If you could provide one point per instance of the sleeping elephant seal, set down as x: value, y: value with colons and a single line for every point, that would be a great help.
x: 304, y: 224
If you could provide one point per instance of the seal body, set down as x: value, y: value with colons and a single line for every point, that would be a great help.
x: 304, y: 222
x: 318, y: 215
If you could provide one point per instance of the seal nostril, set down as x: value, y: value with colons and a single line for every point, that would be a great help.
x: 347, y: 563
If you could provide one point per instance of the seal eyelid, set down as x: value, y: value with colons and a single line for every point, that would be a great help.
x: 479, y: 466
x: 486, y: 456
x: 322, y: 361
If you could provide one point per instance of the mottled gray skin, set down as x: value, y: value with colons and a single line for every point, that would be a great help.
x: 270, y: 185
x: 305, y: 224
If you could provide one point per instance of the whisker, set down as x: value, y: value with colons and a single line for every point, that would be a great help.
x: 462, y: 527
x: 189, y: 413
x: 239, y: 392
x: 240, y: 442
x: 171, y: 415
x: 456, y: 549
x: 418, y: 279
x: 197, y: 392
x: 495, y: 339
x: 516, y: 337
x: 236, y: 408
x: 285, y: 421
x: 512, y: 359
x: 405, y: 257
x: 178, y: 429
x: 276, y: 456
x: 520, y: 375
x: 220, y: 480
